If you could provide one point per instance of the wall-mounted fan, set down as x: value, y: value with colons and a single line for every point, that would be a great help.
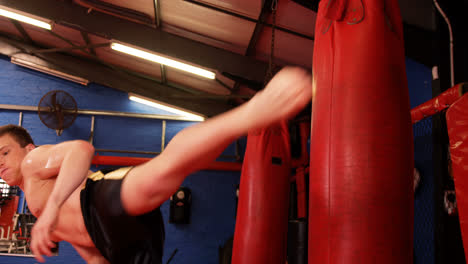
x: 57, y: 110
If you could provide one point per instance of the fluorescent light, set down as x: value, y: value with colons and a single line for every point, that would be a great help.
x: 165, y: 107
x: 25, y: 19
x: 44, y: 69
x: 162, y: 60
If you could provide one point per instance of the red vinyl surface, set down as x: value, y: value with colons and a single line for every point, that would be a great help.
x: 134, y: 161
x: 361, y: 164
x: 457, y: 127
x: 262, y: 216
x: 437, y: 104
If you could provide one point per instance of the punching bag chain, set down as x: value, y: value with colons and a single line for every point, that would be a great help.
x: 269, y: 74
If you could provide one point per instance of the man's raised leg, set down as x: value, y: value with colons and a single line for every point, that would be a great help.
x: 147, y: 186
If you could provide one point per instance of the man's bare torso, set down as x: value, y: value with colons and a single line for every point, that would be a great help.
x: 70, y: 225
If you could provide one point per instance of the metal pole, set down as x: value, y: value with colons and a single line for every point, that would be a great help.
x: 91, y: 134
x: 101, y: 113
x: 20, y: 121
x: 452, y: 70
x: 163, y: 135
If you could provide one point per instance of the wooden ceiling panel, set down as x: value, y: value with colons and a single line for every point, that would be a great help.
x: 7, y: 27
x: 199, y: 83
x: 204, y: 39
x: 207, y: 22
x: 140, y: 11
x: 249, y: 8
x: 143, y: 6
x: 199, y: 31
x: 152, y: 69
x: 94, y: 39
x: 48, y: 40
x: 292, y: 16
x: 289, y: 49
x: 122, y: 60
x: 70, y: 34
x: 129, y: 62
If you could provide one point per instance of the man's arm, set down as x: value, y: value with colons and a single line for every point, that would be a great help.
x: 69, y: 162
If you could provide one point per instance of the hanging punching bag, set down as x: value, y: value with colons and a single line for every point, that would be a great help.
x: 457, y: 128
x: 361, y: 163
x: 260, y: 235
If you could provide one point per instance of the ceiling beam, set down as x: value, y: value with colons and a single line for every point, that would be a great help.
x: 23, y: 32
x: 262, y: 18
x: 120, y: 11
x: 88, y: 46
x: 153, y: 39
x: 266, y: 10
x: 103, y: 75
x: 85, y: 37
x: 218, y: 9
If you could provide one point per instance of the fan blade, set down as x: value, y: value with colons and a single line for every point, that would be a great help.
x: 54, y: 99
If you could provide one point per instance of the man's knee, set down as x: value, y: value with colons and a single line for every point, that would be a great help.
x: 144, y: 193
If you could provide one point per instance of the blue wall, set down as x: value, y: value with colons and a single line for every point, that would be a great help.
x: 420, y: 90
x: 213, y: 192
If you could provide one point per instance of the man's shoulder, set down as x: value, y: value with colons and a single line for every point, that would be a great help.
x: 35, y: 161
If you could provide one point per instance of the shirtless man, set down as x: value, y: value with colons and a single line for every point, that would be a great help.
x: 53, y: 176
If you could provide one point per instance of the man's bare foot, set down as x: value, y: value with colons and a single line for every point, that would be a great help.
x: 285, y: 96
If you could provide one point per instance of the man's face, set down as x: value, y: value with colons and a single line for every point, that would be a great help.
x: 11, y: 156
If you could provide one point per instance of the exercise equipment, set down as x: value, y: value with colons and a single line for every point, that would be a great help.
x: 439, y: 103
x: 457, y: 127
x: 361, y: 164
x: 297, y: 241
x: 262, y: 216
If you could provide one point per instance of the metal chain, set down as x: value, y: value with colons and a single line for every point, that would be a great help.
x: 271, y: 64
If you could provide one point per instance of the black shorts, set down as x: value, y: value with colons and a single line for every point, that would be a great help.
x: 121, y: 238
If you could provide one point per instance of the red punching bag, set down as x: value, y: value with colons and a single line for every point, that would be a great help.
x: 262, y: 217
x: 361, y: 163
x: 457, y: 128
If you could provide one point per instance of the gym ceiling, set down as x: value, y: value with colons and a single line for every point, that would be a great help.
x: 232, y: 38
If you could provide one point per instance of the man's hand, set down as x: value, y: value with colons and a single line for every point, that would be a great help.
x: 41, y: 244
